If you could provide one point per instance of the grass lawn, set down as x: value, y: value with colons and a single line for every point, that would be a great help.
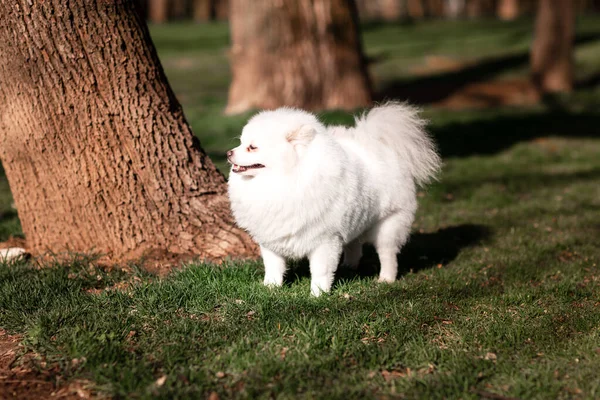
x: 499, y: 289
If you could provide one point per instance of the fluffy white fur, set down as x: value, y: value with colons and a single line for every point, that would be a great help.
x: 305, y: 190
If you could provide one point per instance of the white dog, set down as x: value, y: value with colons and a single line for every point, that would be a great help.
x: 305, y: 190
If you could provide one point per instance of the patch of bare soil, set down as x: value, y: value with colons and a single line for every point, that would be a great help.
x: 515, y: 92
x: 477, y: 94
x: 436, y: 64
x: 162, y: 262
x: 19, y: 380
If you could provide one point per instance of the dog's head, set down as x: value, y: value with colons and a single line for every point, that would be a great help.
x: 273, y: 141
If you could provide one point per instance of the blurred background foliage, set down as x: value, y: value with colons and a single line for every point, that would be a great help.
x: 158, y: 11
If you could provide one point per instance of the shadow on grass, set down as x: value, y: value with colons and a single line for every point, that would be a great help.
x: 424, y: 250
x: 489, y: 136
x: 524, y: 181
x: 434, y: 88
x: 10, y: 214
x: 588, y: 82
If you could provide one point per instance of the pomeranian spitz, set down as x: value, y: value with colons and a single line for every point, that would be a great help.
x: 302, y: 189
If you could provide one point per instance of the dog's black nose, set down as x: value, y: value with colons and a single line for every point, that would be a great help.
x: 229, y: 153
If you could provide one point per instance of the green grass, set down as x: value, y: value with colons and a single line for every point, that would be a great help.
x: 499, y: 289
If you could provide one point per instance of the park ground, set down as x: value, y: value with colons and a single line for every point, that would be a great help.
x: 499, y: 291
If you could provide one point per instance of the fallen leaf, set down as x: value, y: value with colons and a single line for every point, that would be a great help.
x: 389, y: 375
x: 161, y: 381
x: 428, y: 370
x: 283, y: 352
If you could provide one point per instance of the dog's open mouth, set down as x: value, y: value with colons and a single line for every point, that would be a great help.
x: 243, y: 168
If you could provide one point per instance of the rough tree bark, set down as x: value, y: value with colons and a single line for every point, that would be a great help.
x: 304, y: 53
x: 552, y: 50
x: 94, y: 143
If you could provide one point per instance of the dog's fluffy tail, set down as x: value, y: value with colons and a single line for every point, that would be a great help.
x: 399, y: 127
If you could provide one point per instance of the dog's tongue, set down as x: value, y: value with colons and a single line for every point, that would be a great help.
x: 239, y: 168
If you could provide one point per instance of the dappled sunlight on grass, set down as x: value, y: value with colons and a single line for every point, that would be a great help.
x: 498, y: 288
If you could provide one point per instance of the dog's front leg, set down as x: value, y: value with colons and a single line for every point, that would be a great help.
x: 323, y: 263
x: 274, y: 267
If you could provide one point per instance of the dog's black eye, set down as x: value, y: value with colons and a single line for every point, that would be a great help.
x: 252, y: 147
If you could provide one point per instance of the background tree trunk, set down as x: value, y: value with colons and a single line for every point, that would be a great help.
x: 391, y: 10
x: 475, y: 8
x: 552, y: 49
x: 304, y: 53
x: 416, y: 9
x: 435, y: 8
x: 508, y: 9
x: 179, y: 9
x: 204, y: 10
x: 222, y: 9
x: 158, y: 11
x: 94, y: 143
x: 455, y: 8
x: 368, y: 10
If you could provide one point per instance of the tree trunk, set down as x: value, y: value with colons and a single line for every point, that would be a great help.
x: 222, y: 9
x: 455, y: 8
x: 158, y: 11
x: 391, y: 10
x: 95, y: 146
x: 474, y: 8
x: 368, y: 10
x: 552, y: 49
x: 179, y: 9
x: 304, y: 53
x: 416, y: 9
x: 508, y: 9
x: 204, y: 10
x: 435, y: 8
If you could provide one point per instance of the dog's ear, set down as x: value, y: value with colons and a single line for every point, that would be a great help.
x: 302, y: 136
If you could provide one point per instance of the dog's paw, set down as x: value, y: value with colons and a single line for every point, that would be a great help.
x: 386, y: 279
x: 319, y: 286
x: 273, y: 281
x: 315, y: 290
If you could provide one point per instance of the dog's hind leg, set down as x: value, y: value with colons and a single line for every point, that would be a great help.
x: 352, y: 254
x: 388, y: 237
x: 274, y: 267
x: 323, y: 263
